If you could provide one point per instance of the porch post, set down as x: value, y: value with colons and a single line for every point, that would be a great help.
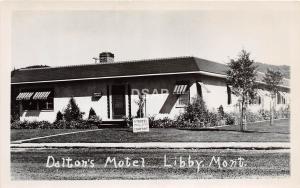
x: 108, y: 101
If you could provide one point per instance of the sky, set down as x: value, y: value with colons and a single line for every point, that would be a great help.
x: 59, y: 38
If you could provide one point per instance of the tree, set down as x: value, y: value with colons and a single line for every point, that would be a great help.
x: 91, y: 113
x: 141, y: 103
x: 72, y: 111
x: 93, y: 119
x: 272, y: 79
x: 195, y: 111
x: 59, y: 116
x: 221, y: 112
x: 241, y: 75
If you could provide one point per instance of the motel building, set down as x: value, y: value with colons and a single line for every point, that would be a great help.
x: 112, y: 88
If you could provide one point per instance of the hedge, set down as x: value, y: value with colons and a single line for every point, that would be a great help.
x: 61, y: 124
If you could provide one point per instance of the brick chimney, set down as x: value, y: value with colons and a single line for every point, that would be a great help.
x: 106, y: 57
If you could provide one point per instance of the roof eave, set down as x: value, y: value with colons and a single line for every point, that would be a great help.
x: 114, y: 77
x: 142, y: 75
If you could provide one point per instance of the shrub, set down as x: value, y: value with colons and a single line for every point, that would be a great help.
x: 181, y: 122
x: 152, y: 121
x: 161, y: 123
x: 61, y: 124
x: 14, y: 117
x: 265, y: 114
x: 253, y: 117
x: 128, y: 121
x: 44, y: 125
x: 23, y: 124
x: 221, y: 112
x: 31, y: 125
x: 283, y: 113
x: 195, y: 111
x: 59, y: 116
x: 94, y: 120
x: 16, y: 125
x: 80, y: 124
x: 229, y: 118
x: 72, y: 111
x: 92, y: 113
x: 76, y: 124
x: 72, y: 124
x: 212, y: 120
x: 195, y: 115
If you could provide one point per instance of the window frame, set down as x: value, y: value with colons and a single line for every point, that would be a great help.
x: 183, y: 97
x: 186, y: 94
x: 229, y: 94
x: 279, y: 98
x: 37, y: 105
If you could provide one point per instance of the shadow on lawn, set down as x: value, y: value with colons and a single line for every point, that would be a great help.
x: 230, y: 130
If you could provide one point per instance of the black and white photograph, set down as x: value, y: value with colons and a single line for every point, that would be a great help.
x: 125, y: 92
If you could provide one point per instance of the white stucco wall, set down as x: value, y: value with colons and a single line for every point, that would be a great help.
x: 34, y: 115
x: 214, y: 93
x: 157, y: 104
x: 84, y: 103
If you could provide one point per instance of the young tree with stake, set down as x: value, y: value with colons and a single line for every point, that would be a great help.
x: 241, y: 75
x: 273, y: 79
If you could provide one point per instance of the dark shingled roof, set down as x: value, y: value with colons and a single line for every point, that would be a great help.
x: 126, y: 68
x: 154, y: 66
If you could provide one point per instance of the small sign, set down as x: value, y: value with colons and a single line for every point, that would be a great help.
x: 97, y: 95
x: 140, y: 125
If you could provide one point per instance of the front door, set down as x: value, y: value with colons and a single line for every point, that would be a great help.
x: 118, y: 101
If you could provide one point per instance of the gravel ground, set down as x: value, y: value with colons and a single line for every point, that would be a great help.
x: 30, y: 164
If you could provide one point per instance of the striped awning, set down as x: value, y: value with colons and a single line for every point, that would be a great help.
x: 180, y: 89
x: 282, y: 93
x: 24, y: 96
x: 41, y: 95
x: 262, y: 93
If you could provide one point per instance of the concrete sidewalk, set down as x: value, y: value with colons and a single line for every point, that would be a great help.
x: 178, y: 145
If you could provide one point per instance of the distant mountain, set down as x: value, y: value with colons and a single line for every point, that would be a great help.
x: 284, y: 69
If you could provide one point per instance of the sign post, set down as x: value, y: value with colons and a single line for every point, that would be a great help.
x: 140, y: 125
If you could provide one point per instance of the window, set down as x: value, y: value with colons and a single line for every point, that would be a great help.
x: 29, y: 105
x: 228, y: 94
x: 199, y: 90
x: 256, y: 100
x: 183, y: 99
x: 279, y: 98
x: 46, y: 104
x: 39, y: 100
x: 38, y: 104
x: 181, y: 89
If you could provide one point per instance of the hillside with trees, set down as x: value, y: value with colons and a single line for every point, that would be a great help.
x: 284, y: 69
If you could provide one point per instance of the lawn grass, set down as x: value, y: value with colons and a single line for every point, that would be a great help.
x: 30, y: 164
x: 256, y: 132
x: 21, y: 134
